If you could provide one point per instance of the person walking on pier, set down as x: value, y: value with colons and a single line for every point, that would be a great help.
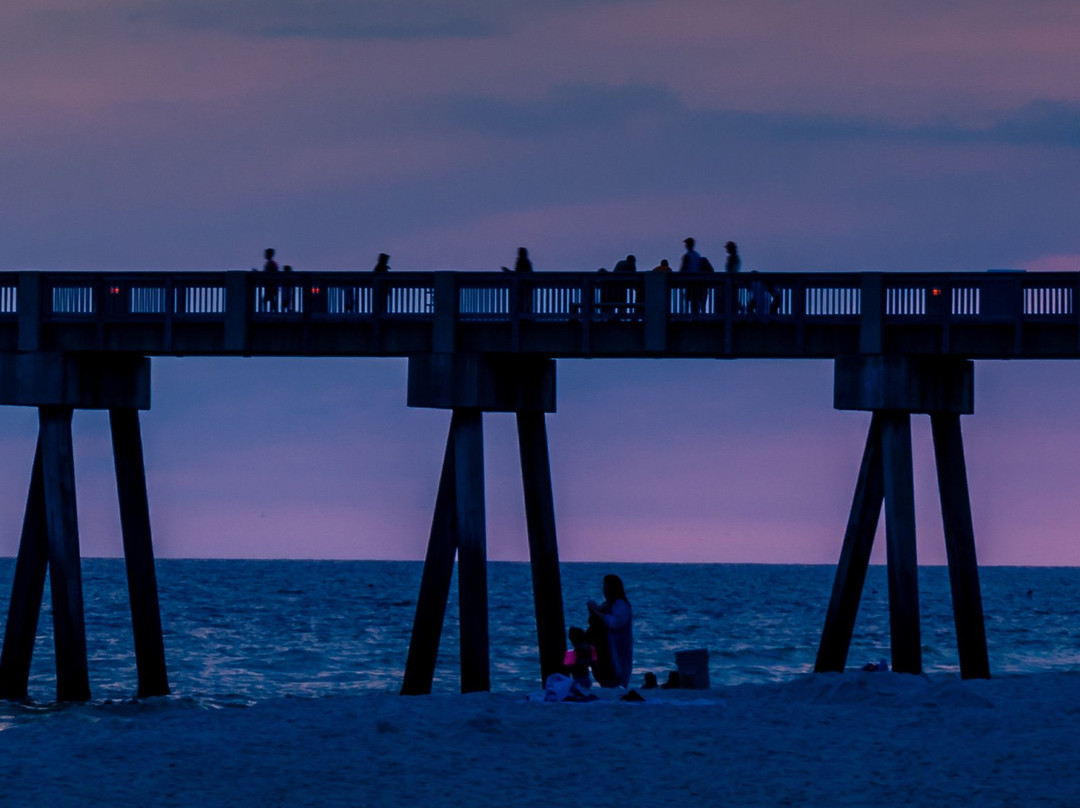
x: 733, y: 262
x: 523, y: 264
x: 270, y: 284
x: 693, y: 263
x: 379, y: 291
x: 611, y: 633
x: 691, y: 260
x: 624, y: 293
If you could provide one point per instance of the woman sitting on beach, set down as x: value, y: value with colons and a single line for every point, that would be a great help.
x: 614, y: 620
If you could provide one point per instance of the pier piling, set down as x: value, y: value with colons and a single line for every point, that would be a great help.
x: 893, y: 388
x: 58, y: 384
x: 469, y: 386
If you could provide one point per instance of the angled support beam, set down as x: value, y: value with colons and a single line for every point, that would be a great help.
x: 467, y: 430
x: 960, y: 546
x: 854, y: 557
x: 26, y: 592
x: 900, y: 542
x: 138, y: 552
x: 65, y: 573
x: 543, y: 546
x: 434, y: 585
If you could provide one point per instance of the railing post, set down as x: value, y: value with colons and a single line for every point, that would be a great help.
x: 798, y: 311
x: 444, y: 327
x: 657, y: 305
x: 518, y: 303
x: 29, y: 307
x: 1076, y: 309
x: 237, y: 310
x: 730, y: 291
x: 871, y: 313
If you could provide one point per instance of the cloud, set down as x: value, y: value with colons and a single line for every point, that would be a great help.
x: 572, y: 107
x: 1069, y: 262
x: 630, y: 109
x: 1040, y: 123
x: 343, y: 19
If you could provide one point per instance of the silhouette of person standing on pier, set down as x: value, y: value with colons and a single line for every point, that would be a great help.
x: 693, y: 263
x: 733, y: 262
x: 380, y: 291
x: 270, y: 284
x: 623, y: 293
x: 691, y: 260
x: 523, y: 264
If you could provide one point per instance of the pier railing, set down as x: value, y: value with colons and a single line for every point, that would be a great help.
x: 557, y: 313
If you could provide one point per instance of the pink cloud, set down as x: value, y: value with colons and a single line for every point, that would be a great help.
x: 1069, y: 262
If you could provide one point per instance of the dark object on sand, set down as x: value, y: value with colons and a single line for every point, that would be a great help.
x: 650, y: 681
x: 693, y: 668
x: 633, y: 695
x: 672, y: 682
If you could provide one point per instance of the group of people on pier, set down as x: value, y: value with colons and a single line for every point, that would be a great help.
x: 278, y: 292
x: 692, y: 262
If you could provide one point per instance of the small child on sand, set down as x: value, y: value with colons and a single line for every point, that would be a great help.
x: 579, y: 658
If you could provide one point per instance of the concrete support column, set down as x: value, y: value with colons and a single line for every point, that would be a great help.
x: 543, y: 546
x: 138, y: 552
x: 471, y: 535
x: 960, y: 546
x: 65, y: 572
x: 900, y: 543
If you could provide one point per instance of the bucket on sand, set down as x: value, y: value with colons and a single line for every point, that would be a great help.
x: 693, y: 669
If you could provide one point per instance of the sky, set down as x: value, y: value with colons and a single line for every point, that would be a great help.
x: 191, y: 134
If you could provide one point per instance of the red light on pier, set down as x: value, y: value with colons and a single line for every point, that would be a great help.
x: 936, y: 292
x: 315, y: 290
x: 114, y: 290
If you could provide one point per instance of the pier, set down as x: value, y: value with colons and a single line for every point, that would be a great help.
x: 902, y: 344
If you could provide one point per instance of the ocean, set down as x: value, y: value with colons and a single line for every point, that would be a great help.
x: 238, y: 632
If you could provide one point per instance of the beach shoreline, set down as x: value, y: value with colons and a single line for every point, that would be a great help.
x: 827, y: 739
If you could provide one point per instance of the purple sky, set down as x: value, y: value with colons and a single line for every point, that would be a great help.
x: 190, y: 134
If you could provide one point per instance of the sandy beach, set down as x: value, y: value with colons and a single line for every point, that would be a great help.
x: 838, y: 740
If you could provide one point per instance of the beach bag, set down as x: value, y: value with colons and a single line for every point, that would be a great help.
x: 704, y: 265
x: 557, y: 687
